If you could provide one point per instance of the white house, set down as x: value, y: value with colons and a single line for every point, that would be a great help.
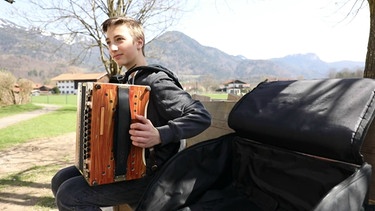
x: 235, y: 87
x: 68, y: 82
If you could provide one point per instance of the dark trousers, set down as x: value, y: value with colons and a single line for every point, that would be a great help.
x: 72, y: 192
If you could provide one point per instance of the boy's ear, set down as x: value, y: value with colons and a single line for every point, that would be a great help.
x: 139, y: 44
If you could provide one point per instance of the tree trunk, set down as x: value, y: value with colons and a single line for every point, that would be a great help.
x: 13, y: 97
x: 369, y: 71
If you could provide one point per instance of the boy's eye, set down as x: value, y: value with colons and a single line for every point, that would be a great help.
x: 119, y: 39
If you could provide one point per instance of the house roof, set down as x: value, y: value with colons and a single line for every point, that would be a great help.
x: 37, y: 86
x: 234, y: 81
x: 79, y: 76
x: 46, y: 87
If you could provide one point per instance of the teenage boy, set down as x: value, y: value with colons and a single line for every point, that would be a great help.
x: 172, y: 115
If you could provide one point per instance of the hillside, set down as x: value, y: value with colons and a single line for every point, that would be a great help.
x: 187, y: 56
x: 38, y: 56
x: 31, y: 54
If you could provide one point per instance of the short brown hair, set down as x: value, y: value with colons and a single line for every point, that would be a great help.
x: 135, y: 27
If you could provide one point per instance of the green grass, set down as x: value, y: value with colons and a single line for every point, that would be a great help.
x: 45, y: 203
x: 217, y: 96
x: 26, y: 177
x: 49, y: 125
x: 16, y: 109
x: 55, y: 99
x: 70, y: 100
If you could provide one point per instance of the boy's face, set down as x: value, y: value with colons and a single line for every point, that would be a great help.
x: 122, y: 47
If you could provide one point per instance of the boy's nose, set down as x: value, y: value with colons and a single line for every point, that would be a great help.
x: 113, y: 47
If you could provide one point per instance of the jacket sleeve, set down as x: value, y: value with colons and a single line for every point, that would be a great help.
x: 185, y: 116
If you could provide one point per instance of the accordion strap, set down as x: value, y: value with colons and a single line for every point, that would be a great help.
x: 121, y: 136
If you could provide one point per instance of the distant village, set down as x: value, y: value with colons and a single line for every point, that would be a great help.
x: 67, y: 83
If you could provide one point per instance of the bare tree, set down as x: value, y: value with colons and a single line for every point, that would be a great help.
x: 10, y: 1
x: 7, y: 88
x: 355, y: 7
x: 369, y: 71
x: 25, y: 88
x: 71, y: 18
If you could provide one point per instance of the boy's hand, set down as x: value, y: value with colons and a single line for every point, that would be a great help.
x: 143, y: 133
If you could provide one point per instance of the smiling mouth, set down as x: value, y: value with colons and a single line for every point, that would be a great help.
x: 116, y: 56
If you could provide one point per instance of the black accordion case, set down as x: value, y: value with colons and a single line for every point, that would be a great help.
x: 296, y: 146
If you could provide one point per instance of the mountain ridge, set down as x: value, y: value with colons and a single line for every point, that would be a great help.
x: 39, y: 56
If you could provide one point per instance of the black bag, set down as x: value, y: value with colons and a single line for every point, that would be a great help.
x: 296, y: 146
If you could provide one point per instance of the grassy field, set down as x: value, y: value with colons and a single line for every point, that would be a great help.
x: 55, y: 99
x: 16, y: 109
x: 217, y: 96
x: 49, y: 125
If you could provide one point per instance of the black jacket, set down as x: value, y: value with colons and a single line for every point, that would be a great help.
x: 172, y: 111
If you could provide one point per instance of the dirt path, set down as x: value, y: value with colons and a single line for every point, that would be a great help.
x: 41, y: 157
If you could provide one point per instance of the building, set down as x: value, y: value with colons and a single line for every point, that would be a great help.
x: 68, y: 82
x: 41, y: 89
x: 235, y: 87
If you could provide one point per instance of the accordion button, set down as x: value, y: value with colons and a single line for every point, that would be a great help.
x: 154, y: 167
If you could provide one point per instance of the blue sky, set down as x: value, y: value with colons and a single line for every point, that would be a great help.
x: 263, y: 29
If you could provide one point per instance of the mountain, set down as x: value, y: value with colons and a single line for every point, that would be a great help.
x: 37, y: 55
x: 185, y: 55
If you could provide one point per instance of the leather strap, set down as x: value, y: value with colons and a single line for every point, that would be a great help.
x: 121, y: 136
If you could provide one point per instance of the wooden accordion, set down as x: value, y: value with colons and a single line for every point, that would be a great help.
x: 104, y: 153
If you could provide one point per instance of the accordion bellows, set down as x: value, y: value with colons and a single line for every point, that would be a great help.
x: 104, y: 153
